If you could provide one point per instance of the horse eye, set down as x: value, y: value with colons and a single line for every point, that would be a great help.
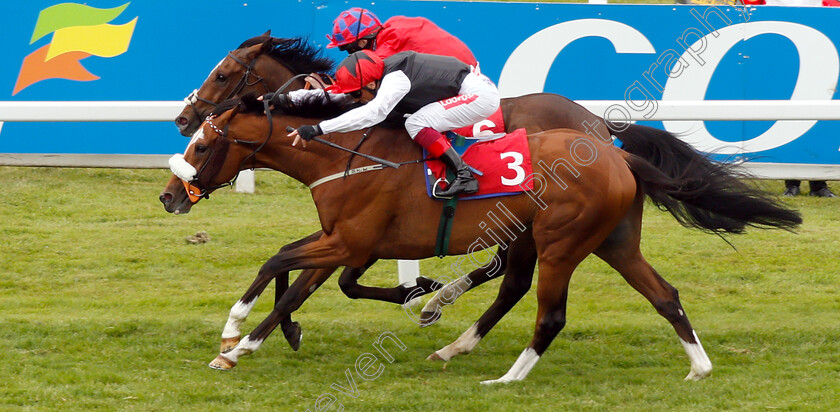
x: 200, y: 148
x: 221, y: 77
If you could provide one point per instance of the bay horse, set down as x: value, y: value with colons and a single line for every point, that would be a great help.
x: 581, y: 209
x: 264, y: 63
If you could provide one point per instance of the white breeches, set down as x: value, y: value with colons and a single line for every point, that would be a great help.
x: 477, y: 100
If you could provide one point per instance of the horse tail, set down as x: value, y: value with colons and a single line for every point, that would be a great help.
x: 661, y: 148
x: 699, y: 193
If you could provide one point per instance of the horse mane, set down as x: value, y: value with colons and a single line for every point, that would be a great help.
x: 295, y: 53
x: 311, y: 107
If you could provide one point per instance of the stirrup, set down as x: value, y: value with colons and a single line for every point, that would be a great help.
x: 465, y: 191
x: 435, y: 186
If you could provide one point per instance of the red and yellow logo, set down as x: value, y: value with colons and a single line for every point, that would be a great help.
x: 79, y: 31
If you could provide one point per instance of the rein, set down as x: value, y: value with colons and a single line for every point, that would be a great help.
x: 366, y: 156
x: 349, y: 172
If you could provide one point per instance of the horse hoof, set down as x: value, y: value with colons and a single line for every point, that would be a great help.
x: 693, y: 376
x: 294, y: 335
x: 495, y: 381
x: 429, y: 318
x: 228, y: 344
x: 435, y: 357
x: 222, y: 363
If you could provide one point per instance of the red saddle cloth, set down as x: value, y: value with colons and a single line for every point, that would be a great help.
x: 504, y: 165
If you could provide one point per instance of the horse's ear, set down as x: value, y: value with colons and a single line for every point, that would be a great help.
x: 267, y: 34
x: 236, y: 108
x: 266, y: 46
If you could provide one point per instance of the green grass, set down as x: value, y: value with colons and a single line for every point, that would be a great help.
x: 105, y: 306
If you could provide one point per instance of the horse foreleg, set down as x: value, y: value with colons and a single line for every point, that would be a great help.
x: 326, y: 251
x: 294, y: 297
x: 552, y: 290
x: 521, y: 259
x: 348, y: 282
x: 231, y: 333
x: 447, y: 295
x: 292, y: 330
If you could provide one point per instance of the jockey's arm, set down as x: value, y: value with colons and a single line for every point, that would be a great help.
x: 298, y: 96
x: 394, y: 87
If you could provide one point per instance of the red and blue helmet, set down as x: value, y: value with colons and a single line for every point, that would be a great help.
x: 356, y: 71
x: 352, y: 25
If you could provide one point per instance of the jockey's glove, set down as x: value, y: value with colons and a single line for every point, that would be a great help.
x: 307, y: 132
x: 277, y: 99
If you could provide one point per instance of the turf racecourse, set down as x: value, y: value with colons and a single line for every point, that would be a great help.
x: 105, y: 306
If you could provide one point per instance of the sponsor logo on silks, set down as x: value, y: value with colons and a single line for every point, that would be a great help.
x: 79, y: 31
x: 457, y: 100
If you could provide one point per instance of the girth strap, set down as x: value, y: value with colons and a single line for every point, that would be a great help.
x: 448, y: 213
x: 445, y: 227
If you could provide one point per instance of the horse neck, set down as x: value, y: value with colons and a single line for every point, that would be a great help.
x: 276, y: 74
x: 307, y: 164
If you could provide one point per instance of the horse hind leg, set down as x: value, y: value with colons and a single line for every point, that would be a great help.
x: 621, y: 251
x: 665, y: 299
x: 521, y: 259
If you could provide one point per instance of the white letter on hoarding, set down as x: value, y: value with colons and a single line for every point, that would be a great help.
x: 819, y: 66
x: 527, y: 67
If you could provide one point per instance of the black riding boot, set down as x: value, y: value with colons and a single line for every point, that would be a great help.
x: 464, y: 181
x: 819, y: 188
x: 791, y: 188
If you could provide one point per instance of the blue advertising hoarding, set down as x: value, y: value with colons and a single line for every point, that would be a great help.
x: 114, y: 50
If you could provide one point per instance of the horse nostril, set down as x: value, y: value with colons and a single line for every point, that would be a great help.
x: 182, y: 121
x: 165, y: 198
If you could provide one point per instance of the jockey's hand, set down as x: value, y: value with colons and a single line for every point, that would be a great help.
x: 305, y: 132
x: 276, y: 99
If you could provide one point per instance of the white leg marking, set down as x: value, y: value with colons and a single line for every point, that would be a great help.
x: 245, y: 347
x: 520, y: 368
x: 701, y: 366
x: 464, y: 344
x: 447, y: 294
x: 238, y: 313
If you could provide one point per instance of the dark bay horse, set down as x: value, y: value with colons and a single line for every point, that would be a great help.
x: 264, y: 63
x: 366, y: 217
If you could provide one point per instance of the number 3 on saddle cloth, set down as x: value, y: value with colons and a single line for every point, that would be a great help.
x: 503, y: 163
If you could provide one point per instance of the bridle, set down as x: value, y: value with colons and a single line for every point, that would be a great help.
x: 243, y: 81
x: 194, y: 191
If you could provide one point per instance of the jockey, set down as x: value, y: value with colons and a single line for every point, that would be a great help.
x: 358, y: 29
x: 439, y: 92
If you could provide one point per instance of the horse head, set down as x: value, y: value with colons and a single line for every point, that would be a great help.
x: 259, y: 65
x: 239, y: 135
x: 215, y: 155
